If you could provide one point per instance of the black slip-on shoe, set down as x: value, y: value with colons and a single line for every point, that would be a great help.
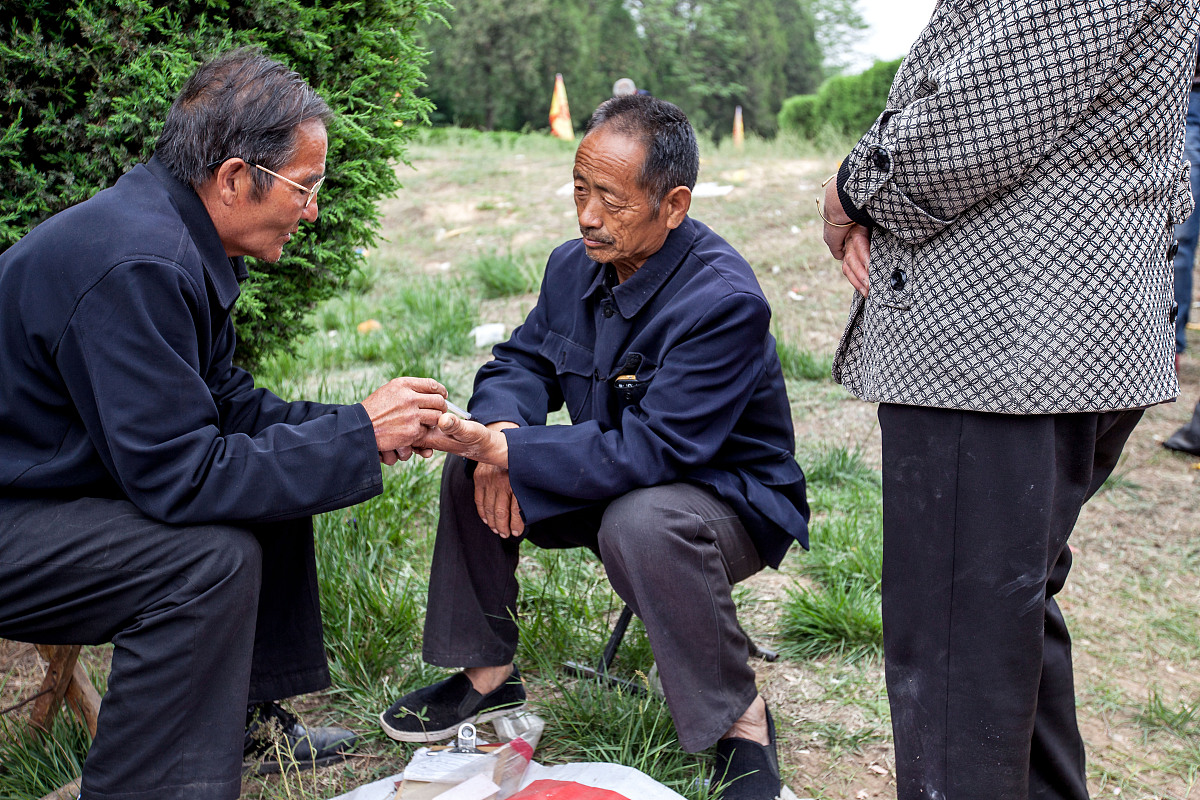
x: 749, y: 770
x: 276, y: 741
x: 1186, y: 439
x: 435, y: 712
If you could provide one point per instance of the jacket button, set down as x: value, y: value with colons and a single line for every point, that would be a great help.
x: 1172, y: 250
x: 881, y: 160
x: 1174, y: 311
x: 899, y: 279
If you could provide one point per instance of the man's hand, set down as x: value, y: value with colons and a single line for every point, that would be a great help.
x: 453, y: 434
x: 496, y: 503
x: 402, y: 411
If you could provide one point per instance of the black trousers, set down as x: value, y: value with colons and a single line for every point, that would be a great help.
x: 672, y: 552
x: 202, y: 618
x: 977, y: 509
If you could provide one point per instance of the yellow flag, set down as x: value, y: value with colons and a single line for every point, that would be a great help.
x: 560, y: 114
x: 739, y: 136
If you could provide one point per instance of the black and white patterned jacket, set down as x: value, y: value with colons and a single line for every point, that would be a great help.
x: 1023, y: 183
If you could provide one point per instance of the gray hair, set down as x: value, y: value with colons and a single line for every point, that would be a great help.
x: 240, y: 104
x: 672, y: 154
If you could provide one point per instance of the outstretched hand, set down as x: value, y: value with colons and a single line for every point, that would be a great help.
x: 468, y: 439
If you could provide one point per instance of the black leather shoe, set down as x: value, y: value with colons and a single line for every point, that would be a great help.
x: 749, y: 770
x: 1187, y: 438
x: 276, y: 741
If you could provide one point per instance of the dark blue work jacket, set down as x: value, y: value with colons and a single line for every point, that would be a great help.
x: 669, y: 376
x: 116, y: 352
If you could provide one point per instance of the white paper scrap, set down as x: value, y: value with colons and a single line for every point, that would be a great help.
x: 480, y: 787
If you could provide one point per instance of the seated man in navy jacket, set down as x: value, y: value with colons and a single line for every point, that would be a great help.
x: 150, y: 495
x: 678, y: 468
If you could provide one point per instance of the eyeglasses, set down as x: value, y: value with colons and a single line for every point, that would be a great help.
x: 311, y: 192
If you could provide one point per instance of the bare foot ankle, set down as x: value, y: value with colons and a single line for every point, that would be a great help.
x: 752, y: 725
x: 486, y: 680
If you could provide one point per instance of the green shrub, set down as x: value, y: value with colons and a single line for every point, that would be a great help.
x: 86, y: 89
x: 845, y: 104
x: 800, y: 115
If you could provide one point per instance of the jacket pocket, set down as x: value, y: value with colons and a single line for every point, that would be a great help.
x: 574, y: 365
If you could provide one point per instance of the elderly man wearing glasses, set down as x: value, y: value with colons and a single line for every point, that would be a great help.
x: 150, y: 495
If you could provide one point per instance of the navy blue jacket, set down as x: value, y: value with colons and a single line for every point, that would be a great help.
x: 116, y: 352
x: 706, y: 403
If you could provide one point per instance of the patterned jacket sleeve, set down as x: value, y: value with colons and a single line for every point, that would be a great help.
x: 975, y: 125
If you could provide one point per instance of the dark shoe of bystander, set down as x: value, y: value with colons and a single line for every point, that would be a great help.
x: 749, y: 770
x: 435, y: 712
x: 1187, y: 438
x: 276, y: 741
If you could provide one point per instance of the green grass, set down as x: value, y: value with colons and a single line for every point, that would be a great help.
x: 799, y: 364
x: 1158, y: 715
x: 505, y: 275
x: 33, y: 765
x: 838, y: 610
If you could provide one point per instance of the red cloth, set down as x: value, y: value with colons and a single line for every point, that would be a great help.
x: 564, y: 790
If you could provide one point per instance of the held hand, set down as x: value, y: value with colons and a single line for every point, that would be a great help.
x: 468, y: 439
x: 496, y: 503
x: 858, y: 258
x: 401, y: 411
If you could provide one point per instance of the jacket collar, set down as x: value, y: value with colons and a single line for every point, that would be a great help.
x: 632, y: 295
x: 224, y: 273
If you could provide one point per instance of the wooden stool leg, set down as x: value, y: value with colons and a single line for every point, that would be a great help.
x: 60, y: 668
x: 83, y: 698
x: 68, y: 792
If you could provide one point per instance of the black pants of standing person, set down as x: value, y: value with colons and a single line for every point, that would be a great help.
x: 977, y: 509
x: 672, y: 552
x: 202, y: 619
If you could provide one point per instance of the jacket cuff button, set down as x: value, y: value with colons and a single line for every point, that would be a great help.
x: 899, y: 279
x: 1172, y: 250
x: 881, y: 160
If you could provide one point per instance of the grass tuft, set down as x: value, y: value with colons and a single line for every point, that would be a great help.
x: 505, y: 275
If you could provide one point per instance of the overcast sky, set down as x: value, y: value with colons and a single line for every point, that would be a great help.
x: 894, y: 24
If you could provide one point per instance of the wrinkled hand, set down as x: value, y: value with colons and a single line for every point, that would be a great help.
x: 468, y: 439
x: 496, y: 503
x: 402, y: 411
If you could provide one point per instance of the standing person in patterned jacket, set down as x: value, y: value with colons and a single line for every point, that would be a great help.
x: 1007, y: 223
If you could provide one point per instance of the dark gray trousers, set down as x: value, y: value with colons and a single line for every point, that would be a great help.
x: 672, y: 552
x: 977, y: 509
x: 194, y: 636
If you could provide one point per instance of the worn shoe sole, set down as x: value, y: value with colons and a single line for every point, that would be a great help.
x: 428, y: 736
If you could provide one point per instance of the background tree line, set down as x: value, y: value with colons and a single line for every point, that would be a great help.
x: 492, y: 62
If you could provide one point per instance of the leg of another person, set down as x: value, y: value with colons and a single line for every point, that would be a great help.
x: 471, y: 616
x: 977, y: 512
x: 673, y: 553
x: 176, y: 602
x: 1188, y: 231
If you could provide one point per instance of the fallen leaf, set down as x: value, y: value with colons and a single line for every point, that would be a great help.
x: 368, y: 326
x: 878, y: 770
